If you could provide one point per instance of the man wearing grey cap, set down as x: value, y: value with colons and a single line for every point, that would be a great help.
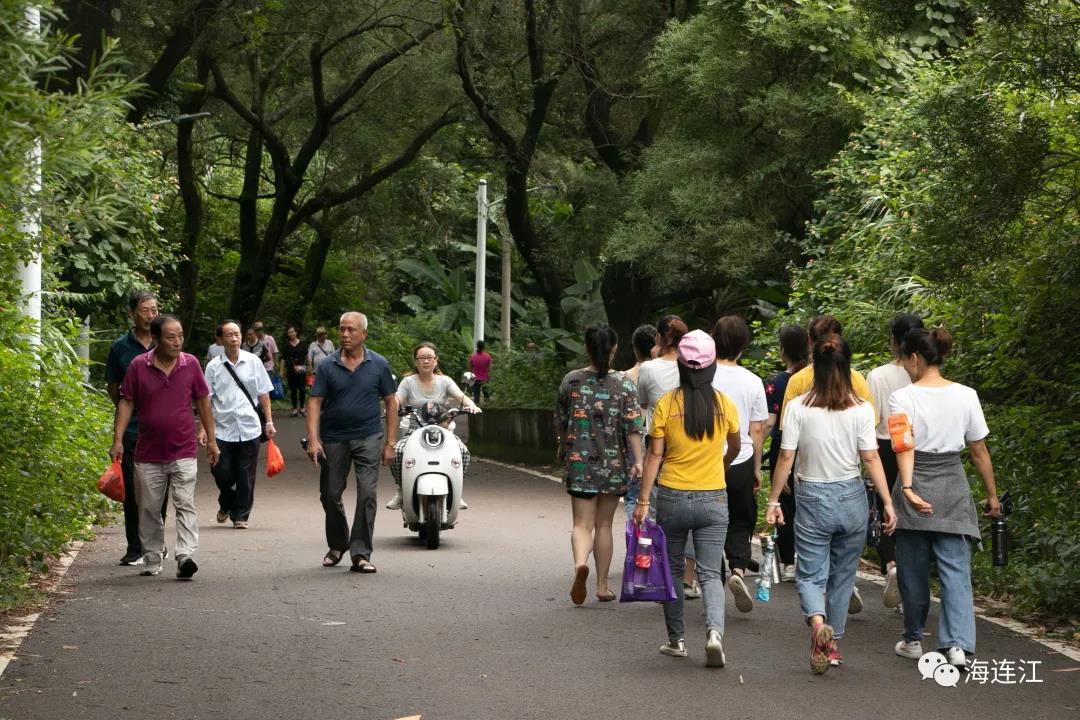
x: 318, y: 350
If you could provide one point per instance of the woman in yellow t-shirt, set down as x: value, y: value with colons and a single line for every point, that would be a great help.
x: 689, y: 428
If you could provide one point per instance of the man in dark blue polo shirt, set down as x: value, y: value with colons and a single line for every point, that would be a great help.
x: 142, y: 309
x: 344, y: 423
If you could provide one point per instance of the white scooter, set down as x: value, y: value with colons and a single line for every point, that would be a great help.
x: 431, y: 476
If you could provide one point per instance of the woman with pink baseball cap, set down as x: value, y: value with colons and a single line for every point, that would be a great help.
x: 690, y: 426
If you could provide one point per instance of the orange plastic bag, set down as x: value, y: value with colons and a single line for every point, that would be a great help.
x: 901, y: 433
x: 275, y: 463
x: 111, y: 482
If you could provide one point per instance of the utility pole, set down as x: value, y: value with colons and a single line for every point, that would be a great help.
x: 481, y: 261
x: 29, y: 222
x: 507, y: 244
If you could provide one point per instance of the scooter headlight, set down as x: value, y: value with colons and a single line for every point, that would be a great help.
x: 432, y: 437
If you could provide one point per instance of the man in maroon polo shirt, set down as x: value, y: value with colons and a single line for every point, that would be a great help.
x: 160, y: 387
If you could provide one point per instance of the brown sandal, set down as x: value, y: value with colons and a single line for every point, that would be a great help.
x: 332, y: 558
x: 360, y: 565
x: 578, y: 590
x: 607, y: 597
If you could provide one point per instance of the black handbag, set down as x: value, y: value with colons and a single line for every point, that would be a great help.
x: 258, y: 409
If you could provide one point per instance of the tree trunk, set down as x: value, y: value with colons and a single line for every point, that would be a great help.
x: 188, y: 268
x: 176, y: 49
x: 92, y: 22
x: 626, y: 300
x: 529, y: 242
x: 249, y: 230
x: 313, y: 267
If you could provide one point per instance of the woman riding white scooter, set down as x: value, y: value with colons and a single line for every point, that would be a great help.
x: 428, y: 384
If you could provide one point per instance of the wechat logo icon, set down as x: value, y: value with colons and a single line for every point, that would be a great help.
x: 934, y: 665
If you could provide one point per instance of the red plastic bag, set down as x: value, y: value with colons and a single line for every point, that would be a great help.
x: 111, y: 482
x: 275, y: 463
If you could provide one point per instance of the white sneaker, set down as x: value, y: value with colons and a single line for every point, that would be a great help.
x: 462, y: 505
x: 743, y: 600
x: 674, y: 648
x: 691, y: 591
x: 855, y: 604
x: 787, y: 573
x: 911, y: 650
x: 892, y: 589
x: 395, y: 504
x: 957, y: 657
x: 714, y: 650
x: 151, y: 567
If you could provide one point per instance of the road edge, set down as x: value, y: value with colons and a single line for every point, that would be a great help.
x: 1014, y: 625
x: 17, y: 630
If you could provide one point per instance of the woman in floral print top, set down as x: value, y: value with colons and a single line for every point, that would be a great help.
x: 599, y: 426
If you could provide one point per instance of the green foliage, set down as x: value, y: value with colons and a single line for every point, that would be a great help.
x: 582, y: 303
x: 54, y: 450
x: 396, y: 337
x: 927, y: 30
x: 101, y: 186
x: 1035, y: 457
x: 450, y: 291
x: 957, y: 199
x: 525, y: 379
x: 754, y: 104
x: 97, y: 207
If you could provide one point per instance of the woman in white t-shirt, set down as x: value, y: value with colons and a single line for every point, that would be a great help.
x: 655, y: 378
x: 883, y: 381
x: 732, y: 335
x: 831, y: 428
x: 427, y: 384
x: 936, y: 514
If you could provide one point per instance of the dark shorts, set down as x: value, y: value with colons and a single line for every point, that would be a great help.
x: 584, y: 495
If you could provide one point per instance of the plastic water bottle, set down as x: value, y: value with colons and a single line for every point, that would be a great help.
x: 643, y: 558
x: 768, y: 568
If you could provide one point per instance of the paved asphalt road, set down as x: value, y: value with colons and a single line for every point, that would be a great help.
x: 481, y: 628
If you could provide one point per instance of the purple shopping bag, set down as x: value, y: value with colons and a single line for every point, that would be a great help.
x: 646, y: 573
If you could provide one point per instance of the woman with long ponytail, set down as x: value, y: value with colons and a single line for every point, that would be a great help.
x: 832, y: 429
x: 599, y: 426
x: 690, y: 426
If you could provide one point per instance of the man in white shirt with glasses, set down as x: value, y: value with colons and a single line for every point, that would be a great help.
x: 238, y: 382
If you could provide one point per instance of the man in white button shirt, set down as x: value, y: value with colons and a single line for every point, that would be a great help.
x: 236, y: 424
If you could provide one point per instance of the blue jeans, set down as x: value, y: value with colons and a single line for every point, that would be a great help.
x: 914, y: 550
x: 706, y: 513
x: 830, y: 529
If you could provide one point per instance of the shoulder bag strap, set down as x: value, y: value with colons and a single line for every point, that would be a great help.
x: 241, y: 386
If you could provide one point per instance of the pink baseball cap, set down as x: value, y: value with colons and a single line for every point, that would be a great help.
x: 697, y: 350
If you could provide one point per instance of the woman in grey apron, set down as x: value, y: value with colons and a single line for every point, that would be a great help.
x: 936, y: 517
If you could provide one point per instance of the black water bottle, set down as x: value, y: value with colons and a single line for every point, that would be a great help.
x: 999, y: 533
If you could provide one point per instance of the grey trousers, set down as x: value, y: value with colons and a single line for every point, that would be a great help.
x: 364, y: 455
x: 152, y: 482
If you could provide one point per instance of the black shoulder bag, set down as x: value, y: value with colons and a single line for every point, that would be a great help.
x: 254, y: 405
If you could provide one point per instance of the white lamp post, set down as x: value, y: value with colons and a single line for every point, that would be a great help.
x: 29, y: 223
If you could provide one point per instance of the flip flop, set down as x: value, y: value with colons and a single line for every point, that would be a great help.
x: 361, y: 565
x: 332, y: 558
x: 608, y: 597
x: 578, y: 590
